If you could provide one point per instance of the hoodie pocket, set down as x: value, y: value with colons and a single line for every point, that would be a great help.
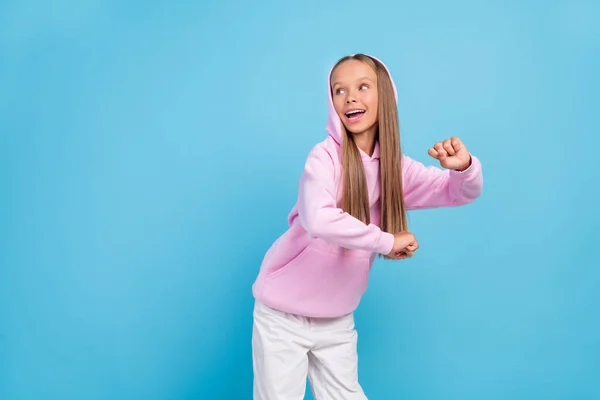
x: 295, y: 260
x: 318, y: 279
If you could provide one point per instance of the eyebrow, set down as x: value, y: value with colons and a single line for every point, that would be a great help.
x: 360, y: 79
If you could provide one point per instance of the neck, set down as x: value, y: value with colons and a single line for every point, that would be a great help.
x: 366, y: 141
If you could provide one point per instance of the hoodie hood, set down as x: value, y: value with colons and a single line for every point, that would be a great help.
x: 334, y: 123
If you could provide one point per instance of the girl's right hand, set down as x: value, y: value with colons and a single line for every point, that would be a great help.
x: 405, y: 244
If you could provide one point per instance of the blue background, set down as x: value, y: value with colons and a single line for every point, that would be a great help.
x: 150, y: 153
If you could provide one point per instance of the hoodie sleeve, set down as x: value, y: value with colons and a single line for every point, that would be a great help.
x: 431, y: 187
x: 320, y: 216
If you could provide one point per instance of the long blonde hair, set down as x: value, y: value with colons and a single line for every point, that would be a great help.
x: 355, y: 196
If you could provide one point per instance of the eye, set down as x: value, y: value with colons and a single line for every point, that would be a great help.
x: 364, y: 86
x: 339, y: 91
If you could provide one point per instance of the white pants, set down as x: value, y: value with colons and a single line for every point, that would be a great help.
x: 287, y: 348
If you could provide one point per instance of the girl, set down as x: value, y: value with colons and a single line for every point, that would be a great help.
x: 352, y: 202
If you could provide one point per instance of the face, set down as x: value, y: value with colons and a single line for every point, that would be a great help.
x: 354, y: 88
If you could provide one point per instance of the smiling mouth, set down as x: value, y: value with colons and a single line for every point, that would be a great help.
x: 355, y: 115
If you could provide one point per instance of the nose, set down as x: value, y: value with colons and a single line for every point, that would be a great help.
x: 350, y: 99
x: 350, y: 96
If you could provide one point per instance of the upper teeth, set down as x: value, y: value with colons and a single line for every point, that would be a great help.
x: 354, y: 112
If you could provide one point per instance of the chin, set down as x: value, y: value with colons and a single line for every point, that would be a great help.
x: 358, y: 129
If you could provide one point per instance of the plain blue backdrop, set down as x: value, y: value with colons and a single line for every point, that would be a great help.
x: 150, y: 153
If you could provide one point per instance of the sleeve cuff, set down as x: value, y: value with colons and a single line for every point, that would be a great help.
x: 385, y: 244
x: 471, y: 170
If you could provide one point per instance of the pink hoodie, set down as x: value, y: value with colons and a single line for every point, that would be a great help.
x: 306, y: 271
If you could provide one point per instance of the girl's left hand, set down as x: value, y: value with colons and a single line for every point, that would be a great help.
x: 452, y: 154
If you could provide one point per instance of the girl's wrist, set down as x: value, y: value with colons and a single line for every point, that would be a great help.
x: 463, y: 169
